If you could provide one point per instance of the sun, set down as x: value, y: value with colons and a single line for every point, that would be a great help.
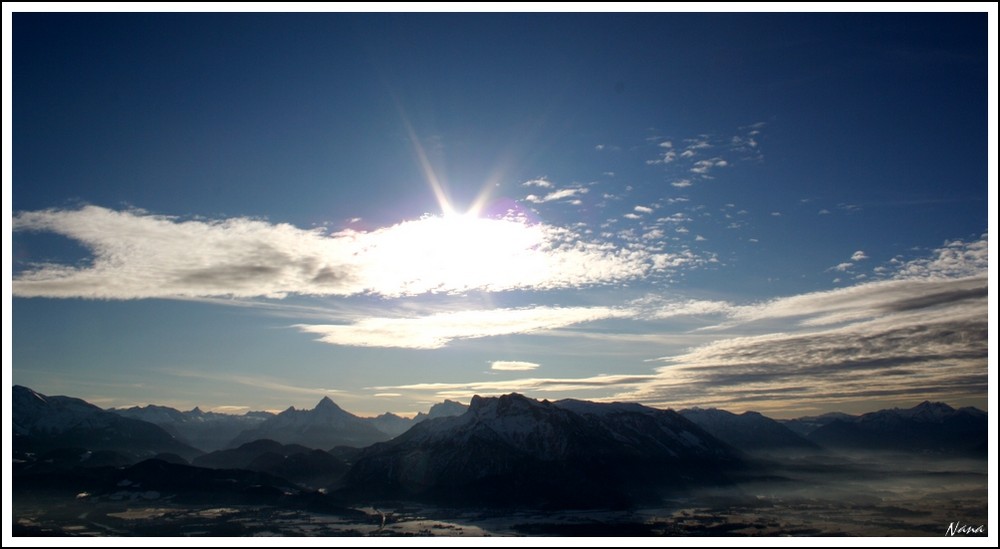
x: 454, y: 253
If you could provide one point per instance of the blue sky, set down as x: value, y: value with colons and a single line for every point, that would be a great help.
x: 777, y: 212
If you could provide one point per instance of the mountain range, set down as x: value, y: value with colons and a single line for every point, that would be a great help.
x: 325, y: 426
x: 498, y: 451
x: 929, y: 427
x: 751, y: 432
x: 207, y: 431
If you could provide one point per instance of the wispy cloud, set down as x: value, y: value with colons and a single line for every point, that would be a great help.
x: 546, y: 385
x: 438, y: 330
x: 540, y: 182
x: 859, y: 256
x: 513, y: 365
x: 140, y: 255
x: 257, y: 382
x: 920, y: 334
x: 643, y: 209
x: 557, y: 195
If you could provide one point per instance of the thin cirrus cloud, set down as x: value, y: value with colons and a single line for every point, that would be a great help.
x: 921, y: 334
x: 493, y: 387
x: 438, y: 330
x: 139, y: 255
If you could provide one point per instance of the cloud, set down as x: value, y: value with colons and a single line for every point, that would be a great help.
x: 666, y: 158
x: 513, y: 365
x: 540, y: 182
x: 493, y: 387
x: 912, y: 353
x: 858, y: 256
x: 139, y: 255
x: 387, y: 395
x: 702, y: 167
x: 632, y: 216
x: 843, y: 266
x: 920, y: 334
x: 557, y: 195
x: 230, y: 409
x: 956, y: 259
x: 643, y: 209
x: 438, y: 330
x: 682, y: 183
x: 699, y: 143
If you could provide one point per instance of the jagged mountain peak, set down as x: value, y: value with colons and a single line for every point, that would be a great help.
x: 327, y: 404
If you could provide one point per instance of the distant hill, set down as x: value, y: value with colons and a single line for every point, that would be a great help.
x: 43, y: 423
x: 394, y: 425
x: 750, y: 431
x: 513, y: 450
x: 931, y: 427
x: 207, y: 431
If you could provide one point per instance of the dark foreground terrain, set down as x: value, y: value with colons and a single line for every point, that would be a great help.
x: 863, y: 495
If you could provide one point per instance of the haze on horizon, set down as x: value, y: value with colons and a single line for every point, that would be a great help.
x: 784, y: 213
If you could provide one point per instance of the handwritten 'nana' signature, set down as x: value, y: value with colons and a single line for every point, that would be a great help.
x: 964, y: 529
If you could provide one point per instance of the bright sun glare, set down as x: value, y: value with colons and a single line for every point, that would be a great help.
x: 467, y: 251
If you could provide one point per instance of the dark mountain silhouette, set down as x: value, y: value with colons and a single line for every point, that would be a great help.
x: 207, y: 431
x: 296, y: 463
x: 750, y: 431
x: 325, y: 426
x: 928, y: 427
x: 515, y: 450
x: 42, y: 423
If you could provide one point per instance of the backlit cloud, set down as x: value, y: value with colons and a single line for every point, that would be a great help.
x: 140, y: 255
x: 920, y: 334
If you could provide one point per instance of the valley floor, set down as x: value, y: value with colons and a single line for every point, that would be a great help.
x: 811, y: 498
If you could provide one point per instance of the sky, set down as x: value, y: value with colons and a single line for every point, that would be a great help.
x: 777, y: 212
